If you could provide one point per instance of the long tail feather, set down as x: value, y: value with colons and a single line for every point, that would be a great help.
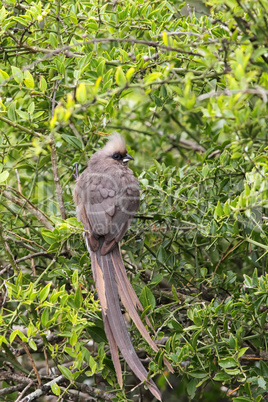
x: 125, y: 290
x: 119, y: 263
x: 117, y: 327
x: 100, y: 285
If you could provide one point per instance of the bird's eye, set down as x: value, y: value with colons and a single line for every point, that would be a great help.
x: 117, y: 156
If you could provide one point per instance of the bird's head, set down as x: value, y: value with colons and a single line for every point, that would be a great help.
x: 116, y: 150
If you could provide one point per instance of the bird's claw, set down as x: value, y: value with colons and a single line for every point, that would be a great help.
x: 76, y: 174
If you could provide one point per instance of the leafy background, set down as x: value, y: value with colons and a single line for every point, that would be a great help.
x: 188, y: 90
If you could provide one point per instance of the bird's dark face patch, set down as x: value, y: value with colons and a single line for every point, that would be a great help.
x: 117, y: 156
x: 121, y: 157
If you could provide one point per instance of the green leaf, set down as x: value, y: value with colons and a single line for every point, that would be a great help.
x: 32, y: 345
x: 218, y: 210
x: 44, y: 292
x: 130, y: 73
x: 161, y: 255
x: 66, y: 372
x: 228, y: 362
x: 262, y: 383
x: 153, y: 77
x: 147, y: 298
x: 92, y: 364
x: 22, y: 21
x: 23, y: 115
x: 177, y: 326
x: 17, y: 74
x: 3, y: 13
x: 28, y: 79
x: 73, y: 338
x: 101, y: 68
x: 97, y: 333
x: 55, y: 389
x: 42, y: 84
x: 45, y: 317
x: 73, y: 141
x: 49, y: 236
x: 38, y: 114
x: 31, y: 108
x: 11, y: 112
x: 165, y: 38
x: 198, y: 374
x: 222, y: 377
x: 3, y: 76
x: 92, y: 25
x: 3, y: 176
x: 81, y: 93
x: 191, y: 387
x: 120, y: 78
x: 53, y: 39
x: 12, y: 336
x: 78, y: 298
x: 15, y: 333
x: 242, y: 352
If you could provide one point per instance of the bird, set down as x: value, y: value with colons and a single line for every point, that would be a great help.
x: 107, y: 196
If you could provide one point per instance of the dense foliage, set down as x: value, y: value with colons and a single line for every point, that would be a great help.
x: 189, y: 93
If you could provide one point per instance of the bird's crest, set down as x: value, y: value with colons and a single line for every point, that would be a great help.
x: 116, y: 143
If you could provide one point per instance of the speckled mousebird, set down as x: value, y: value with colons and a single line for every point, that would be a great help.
x: 107, y: 196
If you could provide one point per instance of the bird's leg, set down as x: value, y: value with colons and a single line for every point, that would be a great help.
x: 76, y: 174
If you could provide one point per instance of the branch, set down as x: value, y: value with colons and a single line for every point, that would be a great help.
x: 23, y: 392
x: 27, y: 257
x: 29, y: 206
x: 8, y: 375
x: 156, y: 44
x: 51, y: 53
x: 94, y: 392
x: 20, y: 243
x: 32, y: 361
x: 229, y: 92
x: 56, y: 178
x: 54, y: 160
x: 184, y: 143
x: 19, y: 126
x: 39, y: 344
x: 41, y: 391
x: 10, y: 390
x: 193, y: 145
x: 7, y: 250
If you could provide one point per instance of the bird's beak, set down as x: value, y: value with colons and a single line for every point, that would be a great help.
x: 127, y: 158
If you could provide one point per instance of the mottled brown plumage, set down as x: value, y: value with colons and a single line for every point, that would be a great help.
x: 107, y: 196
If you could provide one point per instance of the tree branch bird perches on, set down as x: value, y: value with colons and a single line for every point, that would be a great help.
x: 107, y: 196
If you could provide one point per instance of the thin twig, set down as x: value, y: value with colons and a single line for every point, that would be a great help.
x: 7, y: 250
x: 20, y: 243
x: 20, y: 127
x: 10, y: 390
x: 51, y: 53
x: 27, y: 229
x: 228, y: 253
x: 11, y: 376
x: 228, y: 92
x: 31, y: 360
x: 25, y: 239
x: 27, y: 257
x: 54, y: 160
x: 94, y: 392
x: 24, y: 391
x: 28, y: 205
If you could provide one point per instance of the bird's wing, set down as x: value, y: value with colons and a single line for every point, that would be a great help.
x: 110, y: 202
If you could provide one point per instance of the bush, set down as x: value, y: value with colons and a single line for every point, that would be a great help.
x: 188, y: 90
